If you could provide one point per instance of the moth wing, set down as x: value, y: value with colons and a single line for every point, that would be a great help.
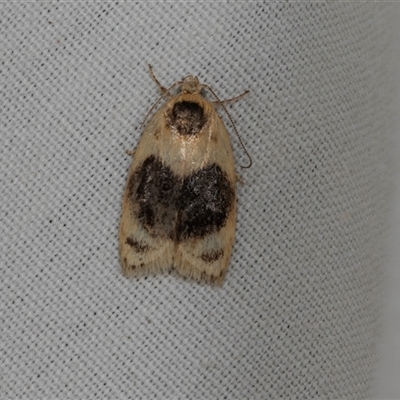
x: 142, y: 253
x: 207, y: 258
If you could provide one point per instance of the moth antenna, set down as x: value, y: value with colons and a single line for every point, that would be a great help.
x: 231, y: 100
x: 151, y: 110
x: 161, y: 87
x: 220, y: 102
x: 164, y: 91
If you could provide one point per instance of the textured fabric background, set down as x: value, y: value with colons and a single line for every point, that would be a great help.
x: 387, y: 384
x: 298, y: 314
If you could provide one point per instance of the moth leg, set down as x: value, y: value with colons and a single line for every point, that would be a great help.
x: 130, y: 152
x: 239, y: 179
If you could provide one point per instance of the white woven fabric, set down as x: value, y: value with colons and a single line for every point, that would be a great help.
x: 297, y: 315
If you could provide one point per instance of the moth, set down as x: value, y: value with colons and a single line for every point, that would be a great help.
x: 179, y: 204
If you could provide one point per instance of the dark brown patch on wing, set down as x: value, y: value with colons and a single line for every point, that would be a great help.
x: 139, y: 248
x: 152, y: 190
x: 212, y: 256
x: 169, y: 206
x: 204, y: 203
x: 187, y: 117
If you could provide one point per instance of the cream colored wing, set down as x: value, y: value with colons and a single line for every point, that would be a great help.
x: 145, y: 241
x: 140, y: 252
x: 207, y: 212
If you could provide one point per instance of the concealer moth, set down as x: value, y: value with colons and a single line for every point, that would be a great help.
x: 179, y: 204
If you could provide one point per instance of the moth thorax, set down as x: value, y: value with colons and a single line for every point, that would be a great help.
x: 191, y: 84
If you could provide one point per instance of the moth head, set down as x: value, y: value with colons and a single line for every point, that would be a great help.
x: 191, y: 84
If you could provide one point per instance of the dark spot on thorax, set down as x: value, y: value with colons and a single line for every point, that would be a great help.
x: 187, y: 117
